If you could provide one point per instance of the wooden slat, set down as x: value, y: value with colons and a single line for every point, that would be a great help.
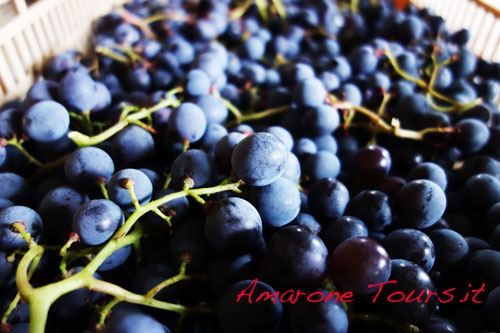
x: 6, y: 79
x: 492, y: 41
x: 23, y: 50
x: 12, y: 58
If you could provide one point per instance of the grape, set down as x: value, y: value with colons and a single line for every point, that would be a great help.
x: 195, y: 164
x: 133, y: 146
x: 470, y: 135
x: 483, y: 266
x: 96, y: 221
x: 129, y: 322
x: 86, y: 165
x: 326, y: 143
x: 10, y: 122
x: 139, y: 79
x: 328, y: 316
x: 363, y: 60
x: 321, y: 120
x: 371, y: 165
x: 42, y: 91
x: 298, y: 256
x: 492, y: 308
x: 46, y: 121
x: 343, y: 228
x: 224, y: 149
x: 74, y: 306
x: 328, y: 199
x: 259, y: 159
x: 126, y: 34
x: 254, y: 48
x: 116, y: 259
x: 10, y: 238
x: 282, y: 134
x: 246, y: 317
x: 233, y: 227
x: 215, y: 110
x: 118, y: 193
x: 78, y: 91
x: 409, y: 277
x: 226, y: 271
x: 420, y: 203
x: 437, y: 324
x: 323, y: 164
x: 430, y: 171
x: 481, y: 192
x: 373, y: 208
x: 180, y: 122
x: 412, y: 245
x: 57, y: 208
x: 292, y: 169
x: 104, y: 98
x: 310, y: 92
x: 451, y: 247
x: 305, y: 147
x: 14, y: 188
x: 4, y: 203
x: 359, y: 262
x: 277, y: 203
x: 307, y: 221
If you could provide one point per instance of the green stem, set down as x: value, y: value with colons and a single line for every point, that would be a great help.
x: 230, y: 106
x: 259, y: 115
x: 170, y: 281
x: 19, y: 145
x: 126, y: 118
x: 127, y: 296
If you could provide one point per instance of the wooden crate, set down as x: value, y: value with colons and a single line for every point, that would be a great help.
x: 33, y: 31
x: 481, y: 17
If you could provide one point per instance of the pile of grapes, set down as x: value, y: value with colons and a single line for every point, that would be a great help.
x: 255, y: 166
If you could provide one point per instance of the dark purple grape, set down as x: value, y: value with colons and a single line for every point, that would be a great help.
x: 233, y: 227
x: 343, y: 228
x: 247, y: 317
x: 359, y: 262
x: 371, y: 165
x: 371, y: 207
x: 298, y: 256
x: 412, y: 245
x: 328, y: 199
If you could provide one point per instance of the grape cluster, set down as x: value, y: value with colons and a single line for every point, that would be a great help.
x: 209, y: 148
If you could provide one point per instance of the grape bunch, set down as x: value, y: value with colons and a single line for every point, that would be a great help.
x: 255, y: 166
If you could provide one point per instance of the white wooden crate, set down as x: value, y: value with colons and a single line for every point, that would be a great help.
x: 481, y: 17
x: 33, y: 31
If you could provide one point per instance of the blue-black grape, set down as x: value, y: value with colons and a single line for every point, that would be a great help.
x: 46, y: 121
x: 410, y: 277
x: 133, y: 145
x: 14, y: 188
x: 298, y: 256
x: 194, y: 164
x: 246, y: 317
x: 86, y: 165
x: 343, y: 228
x: 492, y: 308
x: 412, y: 245
x: 259, y: 159
x: 57, y: 208
x: 129, y: 322
x: 373, y: 208
x: 78, y: 91
x: 96, y: 221
x: 181, y: 122
x: 233, y: 226
x: 321, y: 317
x: 420, y: 204
x: 451, y: 248
x: 121, y: 195
x: 328, y: 199
x: 10, y: 238
x: 277, y: 203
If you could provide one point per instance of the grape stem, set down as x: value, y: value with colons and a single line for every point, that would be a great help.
x: 41, y: 298
x: 457, y: 106
x: 394, y: 128
x: 170, y: 281
x: 126, y: 118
